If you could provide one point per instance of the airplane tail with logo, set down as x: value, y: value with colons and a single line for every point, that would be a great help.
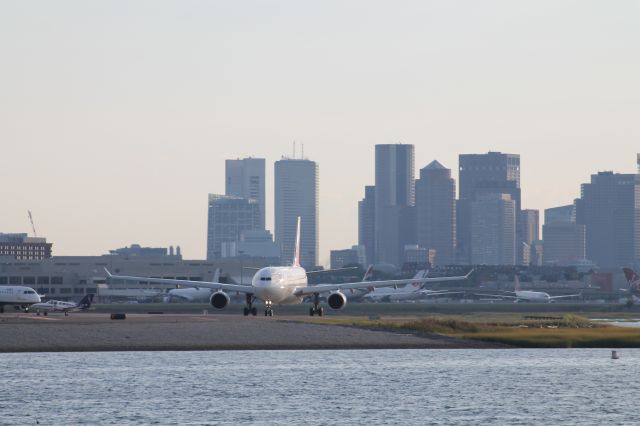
x: 296, y: 253
x: 368, y: 273
x: 632, y: 278
x: 516, y: 283
x: 86, y: 302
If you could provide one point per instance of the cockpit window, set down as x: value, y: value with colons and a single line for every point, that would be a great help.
x: 265, y: 278
x: 29, y: 292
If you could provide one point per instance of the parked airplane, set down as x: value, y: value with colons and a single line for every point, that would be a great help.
x: 634, y: 284
x: 19, y: 297
x: 281, y: 285
x: 519, y: 295
x: 411, y: 291
x: 192, y: 294
x: 60, y: 306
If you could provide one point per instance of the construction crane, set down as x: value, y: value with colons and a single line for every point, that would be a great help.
x: 35, y: 234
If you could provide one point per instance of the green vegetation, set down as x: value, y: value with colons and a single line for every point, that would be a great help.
x: 568, y: 331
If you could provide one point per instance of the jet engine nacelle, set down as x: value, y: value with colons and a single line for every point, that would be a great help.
x: 219, y: 299
x: 337, y: 300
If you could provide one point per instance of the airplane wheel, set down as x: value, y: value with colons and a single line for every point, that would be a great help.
x: 311, y: 312
x: 254, y: 311
x: 38, y: 313
x: 266, y: 312
x: 66, y: 314
x: 320, y: 312
x: 45, y: 314
x: 246, y: 311
x: 270, y: 312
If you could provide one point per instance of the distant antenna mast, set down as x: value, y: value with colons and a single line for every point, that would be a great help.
x: 294, y: 149
x: 35, y: 234
x: 302, y: 156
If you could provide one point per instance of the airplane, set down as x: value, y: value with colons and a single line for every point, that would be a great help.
x: 528, y: 295
x: 19, y: 297
x: 411, y: 291
x: 280, y: 285
x: 60, y: 306
x: 192, y: 294
x: 634, y: 284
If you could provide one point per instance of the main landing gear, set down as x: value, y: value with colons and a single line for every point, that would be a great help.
x: 268, y: 312
x: 316, y: 309
x: 250, y: 309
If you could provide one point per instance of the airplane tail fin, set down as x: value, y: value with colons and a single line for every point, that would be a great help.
x: 86, y: 302
x: 632, y: 278
x: 296, y: 253
x: 368, y: 273
x: 516, y: 283
x: 216, y: 276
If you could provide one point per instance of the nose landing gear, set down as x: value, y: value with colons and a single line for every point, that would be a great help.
x: 268, y: 312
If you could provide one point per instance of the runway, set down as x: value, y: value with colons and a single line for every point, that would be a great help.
x: 26, y: 332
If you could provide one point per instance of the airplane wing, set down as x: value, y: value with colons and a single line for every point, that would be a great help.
x: 501, y: 296
x: 186, y: 283
x: 564, y: 296
x: 439, y: 292
x: 326, y: 288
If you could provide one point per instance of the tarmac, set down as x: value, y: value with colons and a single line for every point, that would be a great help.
x: 82, y: 331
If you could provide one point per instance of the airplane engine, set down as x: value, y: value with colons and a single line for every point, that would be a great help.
x: 337, y: 300
x: 219, y: 299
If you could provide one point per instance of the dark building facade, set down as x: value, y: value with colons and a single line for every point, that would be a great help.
x: 394, y: 202
x: 436, y: 212
x: 23, y: 247
x: 367, y: 222
x: 481, y: 175
x: 609, y: 207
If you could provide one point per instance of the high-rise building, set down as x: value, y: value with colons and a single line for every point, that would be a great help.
x: 229, y: 216
x: 296, y: 195
x: 482, y: 174
x: 530, y: 224
x: 394, y: 201
x: 366, y: 223
x: 609, y: 207
x: 436, y: 212
x: 493, y: 222
x: 245, y: 178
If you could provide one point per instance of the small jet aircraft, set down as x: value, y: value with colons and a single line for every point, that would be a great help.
x: 60, y: 306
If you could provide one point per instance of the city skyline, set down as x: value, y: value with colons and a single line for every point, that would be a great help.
x: 108, y: 146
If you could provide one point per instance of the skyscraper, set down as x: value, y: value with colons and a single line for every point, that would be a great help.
x: 436, y: 212
x: 394, y: 202
x: 530, y: 223
x: 609, y: 207
x: 245, y: 178
x: 493, y: 222
x: 229, y: 216
x: 296, y: 194
x: 483, y: 174
x: 366, y: 222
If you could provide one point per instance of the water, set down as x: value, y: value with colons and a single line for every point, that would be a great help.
x: 449, y: 387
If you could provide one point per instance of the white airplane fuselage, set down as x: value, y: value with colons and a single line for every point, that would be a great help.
x: 276, y: 284
x: 18, y: 296
x: 533, y: 296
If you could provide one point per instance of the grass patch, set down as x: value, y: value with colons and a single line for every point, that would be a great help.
x: 568, y: 331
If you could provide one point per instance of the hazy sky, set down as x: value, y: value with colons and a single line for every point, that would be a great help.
x: 116, y: 116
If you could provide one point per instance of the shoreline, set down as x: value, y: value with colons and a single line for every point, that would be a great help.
x: 95, y: 332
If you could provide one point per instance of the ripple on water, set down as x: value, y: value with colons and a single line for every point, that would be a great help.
x: 568, y: 386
